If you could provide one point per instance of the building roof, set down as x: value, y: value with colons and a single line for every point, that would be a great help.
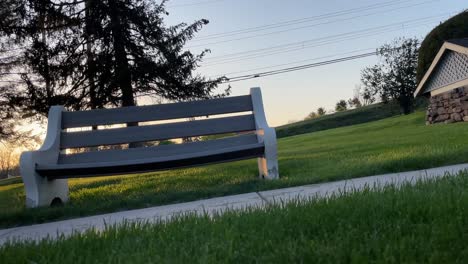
x: 461, y: 42
x: 451, y: 50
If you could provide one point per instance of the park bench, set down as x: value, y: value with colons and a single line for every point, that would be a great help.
x: 46, y: 171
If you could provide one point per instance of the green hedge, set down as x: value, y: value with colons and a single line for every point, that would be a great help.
x: 455, y: 27
x: 346, y: 118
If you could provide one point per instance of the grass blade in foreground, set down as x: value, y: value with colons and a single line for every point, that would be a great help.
x: 420, y: 224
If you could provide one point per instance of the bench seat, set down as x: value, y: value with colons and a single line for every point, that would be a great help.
x: 119, y: 141
x: 114, y: 162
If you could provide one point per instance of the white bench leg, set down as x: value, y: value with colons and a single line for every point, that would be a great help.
x: 268, y: 168
x: 268, y: 165
x: 39, y: 190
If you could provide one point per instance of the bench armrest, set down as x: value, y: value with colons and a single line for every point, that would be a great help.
x: 54, y: 128
x: 259, y: 112
x: 264, y: 132
x: 50, y: 149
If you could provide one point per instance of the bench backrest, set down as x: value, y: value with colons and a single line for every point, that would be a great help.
x: 163, y: 112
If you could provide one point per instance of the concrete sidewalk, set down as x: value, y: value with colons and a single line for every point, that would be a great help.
x: 218, y: 205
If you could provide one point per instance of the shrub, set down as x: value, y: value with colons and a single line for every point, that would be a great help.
x: 455, y: 27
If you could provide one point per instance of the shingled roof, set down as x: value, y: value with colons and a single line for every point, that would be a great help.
x: 449, y: 69
x: 461, y: 42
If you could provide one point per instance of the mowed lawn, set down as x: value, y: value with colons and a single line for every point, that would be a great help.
x: 390, y: 145
x: 426, y: 223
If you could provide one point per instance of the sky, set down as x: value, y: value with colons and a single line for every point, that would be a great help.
x: 320, y: 30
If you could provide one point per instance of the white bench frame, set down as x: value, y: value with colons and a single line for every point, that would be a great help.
x: 42, y: 191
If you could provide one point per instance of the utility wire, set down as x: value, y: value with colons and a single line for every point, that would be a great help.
x: 304, y: 42
x: 297, y: 68
x: 296, y: 49
x: 293, y: 62
x: 319, y: 42
x: 196, y: 3
x: 301, y: 27
x: 303, y: 20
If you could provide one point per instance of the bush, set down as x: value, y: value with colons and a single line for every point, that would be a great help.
x: 339, y: 119
x: 455, y: 27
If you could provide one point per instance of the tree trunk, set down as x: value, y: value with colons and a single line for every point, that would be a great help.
x: 45, y: 58
x: 122, y: 66
x: 406, y: 104
x: 91, y: 69
x: 91, y: 64
x: 124, y: 77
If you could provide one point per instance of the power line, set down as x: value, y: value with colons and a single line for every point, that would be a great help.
x: 196, y: 3
x: 302, y: 20
x: 7, y: 81
x: 305, y: 66
x: 315, y: 42
x: 294, y: 62
x: 318, y: 44
x: 301, y: 48
x: 302, y: 27
x: 297, y: 68
x: 303, y: 42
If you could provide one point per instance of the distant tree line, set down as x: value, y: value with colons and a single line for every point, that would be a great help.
x: 89, y: 54
x: 8, y: 161
x: 314, y: 114
x: 393, y: 79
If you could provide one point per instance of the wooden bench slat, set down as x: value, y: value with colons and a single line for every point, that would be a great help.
x: 157, y: 132
x: 184, y: 160
x: 130, y: 114
x: 157, y: 151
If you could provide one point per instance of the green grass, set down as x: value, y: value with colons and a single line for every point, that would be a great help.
x: 426, y: 223
x: 9, y: 181
x: 391, y: 145
x: 340, y: 119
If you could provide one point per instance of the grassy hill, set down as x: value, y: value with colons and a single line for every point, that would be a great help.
x: 415, y: 224
x: 340, y: 119
x: 390, y: 145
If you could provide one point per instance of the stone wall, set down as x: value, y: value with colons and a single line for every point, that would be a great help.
x: 448, y: 107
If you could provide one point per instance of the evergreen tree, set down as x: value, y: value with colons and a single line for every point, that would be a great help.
x: 149, y: 57
x: 87, y: 54
x: 11, y: 12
